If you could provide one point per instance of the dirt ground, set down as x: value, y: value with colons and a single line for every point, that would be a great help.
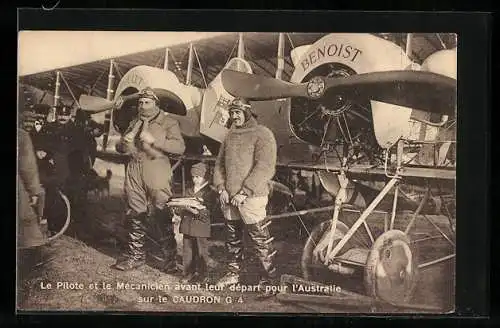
x: 77, y: 275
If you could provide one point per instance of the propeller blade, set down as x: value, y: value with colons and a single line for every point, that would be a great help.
x: 426, y: 91
x: 414, y: 89
x: 94, y: 104
x: 170, y: 102
x: 258, y: 87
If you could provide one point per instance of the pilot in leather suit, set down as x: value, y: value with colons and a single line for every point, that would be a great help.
x: 244, y: 168
x: 148, y: 177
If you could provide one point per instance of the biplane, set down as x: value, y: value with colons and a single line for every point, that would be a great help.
x: 371, y: 117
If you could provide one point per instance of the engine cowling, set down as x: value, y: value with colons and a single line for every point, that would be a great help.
x: 340, y: 120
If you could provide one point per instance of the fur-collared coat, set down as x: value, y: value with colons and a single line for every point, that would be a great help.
x: 246, y: 160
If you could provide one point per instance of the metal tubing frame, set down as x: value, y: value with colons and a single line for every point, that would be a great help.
x: 363, y: 217
x: 111, y: 77
x: 399, y: 160
x: 94, y: 85
x: 189, y: 71
x: 330, y: 255
x: 394, y: 207
x: 426, y: 238
x: 408, y: 48
x: 280, y: 56
x: 57, y: 96
x: 69, y: 89
x: 301, y: 212
x: 241, y: 46
x: 418, y: 210
x: 439, y: 230
x: 183, y: 173
x: 368, y: 231
x: 201, y: 68
x: 442, y: 234
x: 439, y: 260
x: 339, y: 200
x: 415, y: 214
x: 117, y: 68
x: 362, y: 220
x: 177, y: 163
x: 107, y: 115
x: 165, y: 60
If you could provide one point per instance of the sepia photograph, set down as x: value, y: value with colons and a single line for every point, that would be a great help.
x: 242, y: 172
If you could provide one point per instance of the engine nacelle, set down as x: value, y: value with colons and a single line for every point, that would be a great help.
x: 342, y: 55
x: 319, y: 122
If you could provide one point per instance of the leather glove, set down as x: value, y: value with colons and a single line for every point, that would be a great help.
x: 224, y: 197
x: 238, y: 199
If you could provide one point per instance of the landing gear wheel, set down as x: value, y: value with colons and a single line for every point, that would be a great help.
x: 391, y: 269
x: 57, y: 213
x: 313, y: 268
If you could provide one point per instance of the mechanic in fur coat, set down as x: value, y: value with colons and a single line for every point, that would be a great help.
x: 245, y: 165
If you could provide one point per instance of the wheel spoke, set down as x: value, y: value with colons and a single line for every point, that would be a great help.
x: 341, y: 129
x: 325, y: 130
x: 308, y: 117
x: 347, y: 128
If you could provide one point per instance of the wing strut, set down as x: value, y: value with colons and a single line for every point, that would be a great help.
x: 201, y: 68
x: 190, y: 65
x: 280, y: 56
x: 165, y: 63
x: 109, y: 96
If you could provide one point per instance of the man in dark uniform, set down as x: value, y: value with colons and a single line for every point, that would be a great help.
x: 63, y: 145
x: 91, y: 130
x: 148, y: 177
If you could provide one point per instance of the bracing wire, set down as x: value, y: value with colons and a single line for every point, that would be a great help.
x: 201, y: 68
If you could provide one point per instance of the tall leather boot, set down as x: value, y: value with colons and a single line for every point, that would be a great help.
x: 262, y: 240
x: 135, y: 255
x: 234, y: 245
x: 166, y: 239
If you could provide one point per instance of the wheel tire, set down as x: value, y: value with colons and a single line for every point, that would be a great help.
x: 389, y: 274
x: 67, y: 220
x: 307, y: 258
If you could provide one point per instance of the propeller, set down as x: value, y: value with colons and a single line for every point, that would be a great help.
x: 95, y: 104
x: 414, y: 89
